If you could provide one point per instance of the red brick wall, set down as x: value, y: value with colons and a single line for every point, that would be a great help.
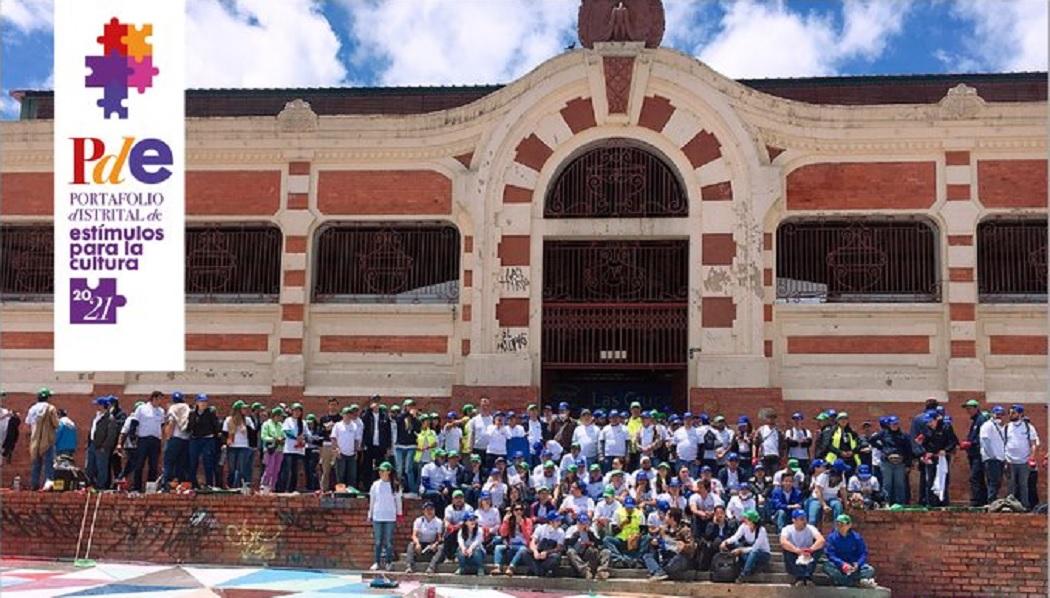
x: 233, y: 192
x: 915, y: 554
x: 857, y: 186
x: 1012, y: 183
x: 27, y: 193
x: 956, y: 555
x: 356, y: 192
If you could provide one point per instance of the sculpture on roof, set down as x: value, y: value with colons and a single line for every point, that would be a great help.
x: 621, y: 21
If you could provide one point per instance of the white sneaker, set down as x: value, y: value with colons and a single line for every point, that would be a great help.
x: 868, y: 583
x: 374, y: 567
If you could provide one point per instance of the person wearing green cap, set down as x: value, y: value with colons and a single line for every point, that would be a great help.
x: 313, y: 453
x: 238, y: 454
x: 426, y: 438
x: 843, y: 443
x: 271, y: 437
x: 42, y: 419
x: 847, y: 556
x: 433, y: 479
x: 296, y: 436
x: 750, y: 544
x: 972, y: 445
x: 384, y: 513
x: 346, y: 440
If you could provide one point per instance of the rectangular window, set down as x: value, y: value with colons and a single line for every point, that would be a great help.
x: 233, y: 263
x: 1011, y: 261
x: 27, y: 253
x: 387, y: 263
x: 857, y: 260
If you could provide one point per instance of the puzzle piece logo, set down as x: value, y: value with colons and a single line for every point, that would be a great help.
x: 126, y: 62
x: 97, y: 305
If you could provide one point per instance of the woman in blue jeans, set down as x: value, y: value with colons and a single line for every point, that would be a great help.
x: 750, y: 544
x: 829, y: 493
x: 471, y: 552
x: 238, y: 453
x: 384, y: 512
x: 515, y: 535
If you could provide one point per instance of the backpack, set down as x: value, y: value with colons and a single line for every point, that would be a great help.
x: 725, y: 567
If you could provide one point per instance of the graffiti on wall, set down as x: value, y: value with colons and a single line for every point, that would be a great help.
x: 254, y: 543
x: 512, y: 342
x: 514, y: 280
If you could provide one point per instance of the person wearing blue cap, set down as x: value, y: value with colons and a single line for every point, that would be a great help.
x: 649, y: 438
x: 1021, y: 442
x: 471, y: 551
x: 743, y: 445
x: 587, y: 434
x: 546, y: 547
x: 176, y: 462
x: 203, y: 426
x: 733, y: 473
x: 863, y: 489
x: 785, y: 500
x: 495, y: 487
x: 993, y: 436
x: 613, y: 440
x: 799, y: 440
x: 427, y: 537
x: 801, y: 543
x: 562, y: 427
x: 584, y: 551
x: 898, y: 451
x: 450, y: 437
x: 829, y: 492
x: 916, y: 429
x: 626, y: 542
x: 686, y: 443
x: 102, y: 440
x: 938, y: 443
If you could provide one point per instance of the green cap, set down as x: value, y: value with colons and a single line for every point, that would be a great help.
x: 664, y: 465
x: 475, y: 458
x: 821, y: 416
x: 296, y: 406
x: 468, y: 408
x: 138, y: 404
x: 548, y: 463
x: 543, y: 489
x: 395, y: 408
x: 842, y: 415
x: 793, y: 464
x: 258, y: 405
x: 408, y: 403
x: 386, y: 466
x: 434, y: 415
x: 43, y: 393
x: 311, y: 417
x: 616, y: 472
x: 239, y: 404
x: 575, y: 445
x: 594, y: 467
x: 609, y: 491
x: 844, y: 519
x: 382, y: 407
x: 439, y: 453
x: 423, y: 417
x: 457, y: 494
x: 277, y: 411
x: 971, y: 403
x: 752, y: 516
x: 354, y: 408
x: 346, y: 411
x: 572, y: 467
x: 531, y: 407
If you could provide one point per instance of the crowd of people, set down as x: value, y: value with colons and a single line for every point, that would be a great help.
x: 670, y: 492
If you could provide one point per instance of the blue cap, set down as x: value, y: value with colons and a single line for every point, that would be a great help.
x: 864, y: 471
x: 599, y: 413
x: 705, y: 469
x: 202, y: 397
x: 614, y: 413
x: 583, y: 518
x: 451, y: 415
x: 101, y: 401
x: 546, y: 453
x: 939, y: 409
x: 882, y: 420
x: 1017, y: 408
x: 485, y: 495
x: 494, y: 471
x: 732, y: 457
x: 428, y: 505
x: 892, y: 420
x: 674, y: 483
x: 687, y: 415
x: 582, y: 485
x: 947, y: 420
x: 563, y: 406
x: 797, y: 415
x: 470, y: 517
x: 629, y: 502
x: 499, y: 414
x: 998, y: 410
x: 641, y: 475
x: 798, y: 513
x: 511, y: 414
x: 840, y: 466
x: 675, y: 419
x: 176, y: 397
x: 647, y: 414
x: 553, y: 516
x: 819, y: 463
x: 831, y: 413
x: 663, y: 505
x: 743, y: 419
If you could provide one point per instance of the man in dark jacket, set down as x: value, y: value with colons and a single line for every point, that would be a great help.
x: 715, y: 532
x: 898, y: 451
x: 204, y: 428
x: 377, y: 440
x: 937, y: 440
x: 104, y: 441
x: 847, y: 556
x: 972, y: 444
x: 918, y: 424
x: 408, y: 428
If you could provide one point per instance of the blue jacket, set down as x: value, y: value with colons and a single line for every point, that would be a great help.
x: 777, y: 500
x: 846, y: 549
x: 65, y: 438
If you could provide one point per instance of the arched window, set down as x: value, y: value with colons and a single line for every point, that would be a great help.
x: 387, y: 262
x: 857, y: 260
x: 233, y: 263
x: 618, y: 178
x: 1011, y: 260
x: 27, y: 253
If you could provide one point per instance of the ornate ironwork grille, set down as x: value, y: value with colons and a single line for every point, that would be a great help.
x: 620, y: 304
x: 1011, y: 261
x: 840, y: 261
x: 233, y: 264
x: 387, y: 263
x: 27, y: 253
x: 617, y: 180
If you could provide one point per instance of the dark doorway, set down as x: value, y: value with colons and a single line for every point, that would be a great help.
x: 615, y: 322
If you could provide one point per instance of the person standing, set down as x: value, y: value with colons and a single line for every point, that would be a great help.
x: 329, y: 452
x: 384, y: 513
x: 407, y: 427
x: 937, y: 442
x: 66, y: 435
x: 613, y: 441
x: 897, y: 454
x: 993, y: 451
x: 972, y: 445
x: 90, y: 465
x: 203, y: 426
x: 346, y: 438
x: 767, y: 443
x: 238, y: 452
x: 42, y: 419
x: 296, y: 435
x: 799, y: 440
x: 1021, y: 442
x: 177, y: 448
x: 272, y: 439
x: 150, y: 417
x: 478, y: 427
x: 377, y: 439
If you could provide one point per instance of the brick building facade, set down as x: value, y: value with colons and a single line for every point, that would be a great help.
x: 623, y: 222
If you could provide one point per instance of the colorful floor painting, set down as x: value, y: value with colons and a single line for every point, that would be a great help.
x: 32, y: 579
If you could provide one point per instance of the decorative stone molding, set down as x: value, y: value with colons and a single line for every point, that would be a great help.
x: 297, y: 117
x: 961, y: 101
x: 621, y: 21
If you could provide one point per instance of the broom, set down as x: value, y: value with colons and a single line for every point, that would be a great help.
x: 86, y: 562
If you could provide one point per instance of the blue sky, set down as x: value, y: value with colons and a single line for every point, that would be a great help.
x: 275, y: 43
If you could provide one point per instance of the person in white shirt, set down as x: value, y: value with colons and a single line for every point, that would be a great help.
x: 238, y: 453
x: 702, y: 505
x: 800, y: 540
x: 613, y: 440
x: 750, y: 544
x: 577, y: 503
x: 479, y: 426
x: 497, y: 435
x: 798, y: 440
x: 767, y: 443
x: 573, y: 457
x: 150, y: 417
x: 488, y: 517
x: 384, y: 512
x: 348, y: 436
x: 586, y: 434
x: 604, y: 511
x: 829, y: 493
x: 495, y: 487
x: 470, y: 551
x: 514, y: 427
x: 993, y: 436
x: 863, y: 489
x: 686, y: 441
x: 296, y: 436
x: 673, y: 494
x: 451, y: 437
x: 649, y: 437
x: 534, y: 432
x: 177, y: 447
x: 427, y: 536
x: 547, y: 476
x: 1021, y: 442
x: 546, y: 547
x: 741, y: 502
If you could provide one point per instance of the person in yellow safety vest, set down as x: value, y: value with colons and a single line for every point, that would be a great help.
x: 634, y: 426
x: 468, y: 441
x: 844, y: 442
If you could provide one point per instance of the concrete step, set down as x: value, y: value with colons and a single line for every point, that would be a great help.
x: 760, y: 586
x: 776, y: 565
x: 771, y: 575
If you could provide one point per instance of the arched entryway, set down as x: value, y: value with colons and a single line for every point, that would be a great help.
x: 615, y: 312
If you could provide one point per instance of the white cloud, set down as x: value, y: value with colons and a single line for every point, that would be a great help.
x: 9, y: 107
x: 436, y: 42
x: 1009, y: 35
x: 261, y: 43
x: 768, y: 39
x: 28, y: 16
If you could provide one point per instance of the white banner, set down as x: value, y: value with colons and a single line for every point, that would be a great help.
x: 119, y: 185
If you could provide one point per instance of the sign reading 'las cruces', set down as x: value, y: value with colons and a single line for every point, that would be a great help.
x: 119, y: 185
